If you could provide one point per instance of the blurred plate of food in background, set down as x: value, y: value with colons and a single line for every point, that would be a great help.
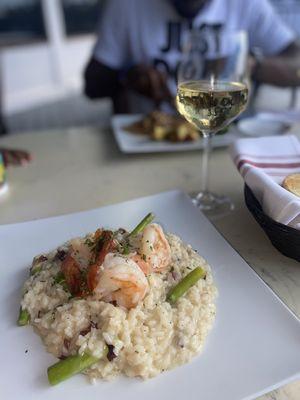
x: 162, y: 132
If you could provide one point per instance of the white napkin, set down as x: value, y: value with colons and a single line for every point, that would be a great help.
x: 264, y: 163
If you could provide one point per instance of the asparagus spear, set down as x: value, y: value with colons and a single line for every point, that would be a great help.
x: 145, y: 221
x: 24, y: 317
x: 70, y: 366
x: 188, y: 281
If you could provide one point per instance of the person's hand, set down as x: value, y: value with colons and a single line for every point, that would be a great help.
x: 149, y: 82
x: 15, y: 156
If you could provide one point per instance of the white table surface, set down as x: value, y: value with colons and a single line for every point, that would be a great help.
x: 79, y: 169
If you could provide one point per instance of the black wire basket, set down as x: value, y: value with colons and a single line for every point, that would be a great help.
x: 284, y: 238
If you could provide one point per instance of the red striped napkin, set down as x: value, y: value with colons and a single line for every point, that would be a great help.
x: 264, y: 163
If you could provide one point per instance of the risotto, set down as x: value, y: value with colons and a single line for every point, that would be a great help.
x: 106, y: 297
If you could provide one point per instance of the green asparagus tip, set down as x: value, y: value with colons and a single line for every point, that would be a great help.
x: 185, y: 284
x: 24, y: 317
x: 70, y: 366
x: 145, y: 221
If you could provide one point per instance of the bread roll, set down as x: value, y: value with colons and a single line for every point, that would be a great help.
x: 292, y: 184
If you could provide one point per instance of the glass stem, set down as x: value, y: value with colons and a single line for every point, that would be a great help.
x: 205, y: 162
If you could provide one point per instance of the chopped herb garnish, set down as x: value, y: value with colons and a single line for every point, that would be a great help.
x: 126, y: 249
x: 89, y: 242
x: 59, y: 279
x: 35, y: 270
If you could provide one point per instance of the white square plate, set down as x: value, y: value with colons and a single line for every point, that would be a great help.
x: 253, y: 347
x: 133, y: 143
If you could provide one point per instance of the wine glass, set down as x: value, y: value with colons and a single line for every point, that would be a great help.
x: 212, y: 90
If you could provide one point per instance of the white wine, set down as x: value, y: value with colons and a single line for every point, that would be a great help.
x: 211, y: 106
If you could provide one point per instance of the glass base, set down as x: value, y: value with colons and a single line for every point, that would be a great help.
x: 211, y: 203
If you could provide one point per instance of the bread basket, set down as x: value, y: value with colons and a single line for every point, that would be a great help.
x: 284, y: 238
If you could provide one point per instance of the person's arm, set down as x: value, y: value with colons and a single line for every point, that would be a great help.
x: 100, y: 80
x: 281, y: 70
x: 276, y: 41
x: 113, y: 67
x: 103, y: 81
x: 15, y: 156
x: 111, y: 52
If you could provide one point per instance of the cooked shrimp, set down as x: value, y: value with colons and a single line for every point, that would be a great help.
x: 155, y: 248
x: 106, y: 245
x: 145, y: 267
x: 72, y: 274
x: 80, y: 251
x: 93, y: 249
x: 120, y: 279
